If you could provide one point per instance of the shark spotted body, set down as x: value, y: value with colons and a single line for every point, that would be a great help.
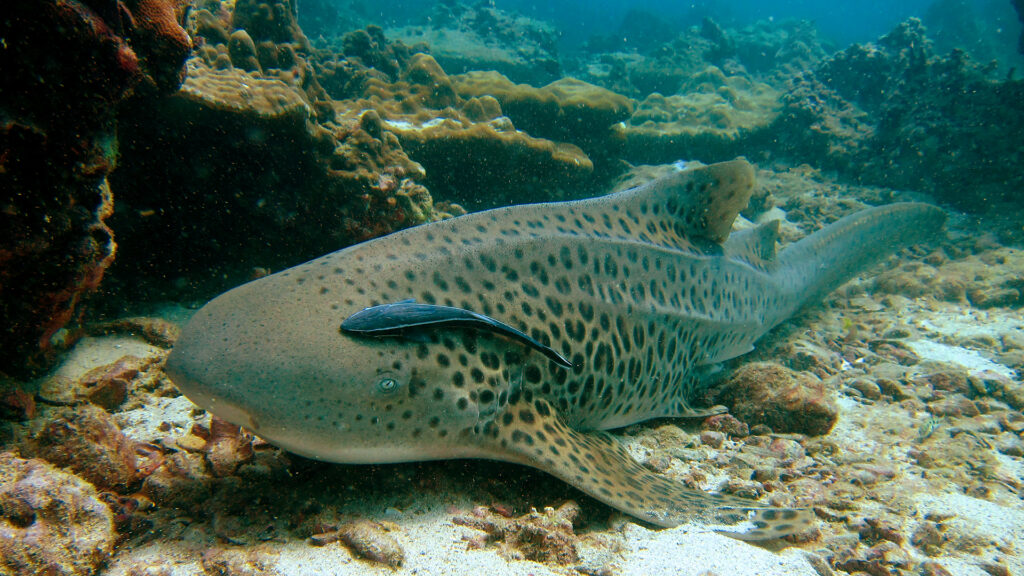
x: 519, y: 333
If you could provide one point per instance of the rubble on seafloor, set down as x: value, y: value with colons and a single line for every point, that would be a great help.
x: 916, y: 444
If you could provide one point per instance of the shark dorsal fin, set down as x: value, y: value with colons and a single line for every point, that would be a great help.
x: 694, y: 205
x: 755, y: 245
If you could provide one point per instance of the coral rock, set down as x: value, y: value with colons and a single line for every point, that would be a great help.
x: 107, y: 386
x: 568, y: 110
x: 954, y: 406
x: 728, y: 424
x: 242, y: 51
x: 928, y: 537
x: 238, y: 91
x: 273, y: 20
x: 159, y: 40
x: 293, y: 181
x: 227, y: 447
x: 61, y: 96
x: 546, y: 536
x: 155, y: 331
x: 713, y: 116
x: 90, y: 443
x: 786, y: 401
x: 372, y: 541
x: 218, y: 562
x: 482, y: 37
x: 51, y: 522
x: 16, y: 404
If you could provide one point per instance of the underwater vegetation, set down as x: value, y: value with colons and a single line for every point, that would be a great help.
x: 154, y: 153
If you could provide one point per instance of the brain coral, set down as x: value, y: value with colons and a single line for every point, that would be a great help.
x: 51, y: 522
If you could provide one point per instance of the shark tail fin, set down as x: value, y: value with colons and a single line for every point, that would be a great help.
x: 818, y: 264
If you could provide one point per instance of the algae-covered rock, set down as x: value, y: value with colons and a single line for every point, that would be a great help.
x: 91, y: 444
x: 51, y: 522
x: 784, y: 400
x: 546, y: 536
x: 712, y: 117
x: 932, y: 118
x: 568, y: 109
x: 481, y: 36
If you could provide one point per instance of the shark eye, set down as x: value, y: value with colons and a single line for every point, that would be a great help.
x: 387, y: 385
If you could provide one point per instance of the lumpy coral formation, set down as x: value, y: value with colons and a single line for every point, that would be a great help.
x: 274, y: 176
x: 301, y: 150
x: 712, y: 116
x: 936, y: 118
x: 777, y: 397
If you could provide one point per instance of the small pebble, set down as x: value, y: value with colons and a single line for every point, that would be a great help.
x: 893, y: 388
x: 995, y: 569
x: 954, y: 406
x: 1012, y: 422
x: 324, y: 538
x: 712, y: 438
x: 878, y: 529
x: 766, y: 474
x: 867, y: 388
x: 786, y: 449
x: 370, y: 541
x: 1010, y: 444
x: 927, y: 536
x: 930, y: 568
x: 658, y: 463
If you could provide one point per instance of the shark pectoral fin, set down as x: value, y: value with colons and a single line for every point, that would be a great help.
x: 531, y: 433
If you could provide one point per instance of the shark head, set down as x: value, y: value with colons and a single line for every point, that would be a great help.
x: 262, y: 359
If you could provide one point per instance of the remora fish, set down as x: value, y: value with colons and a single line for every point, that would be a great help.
x: 443, y: 341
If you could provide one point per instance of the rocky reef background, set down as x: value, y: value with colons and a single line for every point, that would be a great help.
x: 166, y: 150
x: 215, y: 141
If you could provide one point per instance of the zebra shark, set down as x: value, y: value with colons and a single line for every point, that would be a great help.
x: 521, y: 333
